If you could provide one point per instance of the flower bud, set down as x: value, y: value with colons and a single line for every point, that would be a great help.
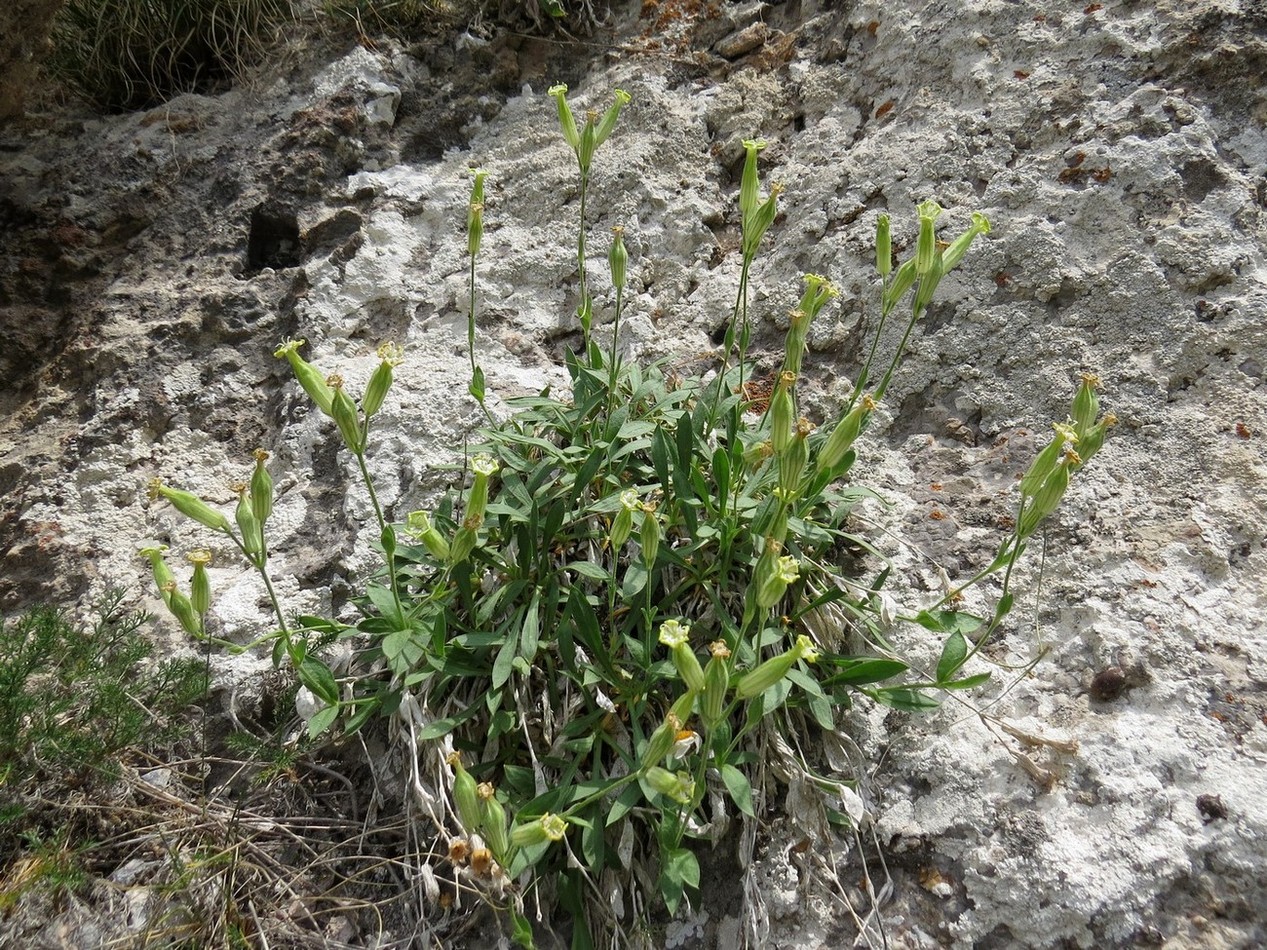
x: 773, y: 575
x: 391, y: 354
x: 162, y: 572
x: 465, y: 795
x: 493, y: 821
x: 773, y: 670
x: 749, y: 183
x: 649, y: 537
x: 248, y: 525
x: 343, y: 409
x: 608, y: 122
x: 200, y: 588
x: 1094, y: 439
x: 883, y: 246
x: 959, y: 246
x: 183, y: 610
x: 1046, y: 460
x: 618, y: 258
x: 309, y: 377
x: 716, y: 686
x: 928, y: 284
x: 566, y: 121
x: 792, y: 463
x: 475, y: 214
x: 1047, y: 498
x: 679, y: 787
x: 1086, y: 404
x: 661, y: 740
x: 926, y: 248
x: 419, y: 524
x: 190, y: 505
x: 546, y: 828
x: 760, y: 221
x: 622, y: 524
x: 261, y: 488
x: 782, y: 413
x: 902, y: 282
x: 832, y: 453
x: 676, y: 636
x: 463, y: 544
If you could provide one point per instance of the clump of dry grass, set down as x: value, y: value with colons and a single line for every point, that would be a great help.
x: 129, y: 54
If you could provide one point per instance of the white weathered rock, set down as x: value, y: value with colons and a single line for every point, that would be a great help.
x: 1120, y: 154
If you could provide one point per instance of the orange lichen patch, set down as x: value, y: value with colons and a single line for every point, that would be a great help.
x: 1244, y: 431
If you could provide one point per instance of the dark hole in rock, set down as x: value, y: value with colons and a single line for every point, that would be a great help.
x: 274, y: 240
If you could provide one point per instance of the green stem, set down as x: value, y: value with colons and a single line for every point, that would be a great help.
x: 611, y: 360
x: 382, y: 528
x: 580, y: 255
x: 738, y: 313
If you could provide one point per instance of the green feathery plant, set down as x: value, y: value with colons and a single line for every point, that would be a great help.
x: 640, y: 591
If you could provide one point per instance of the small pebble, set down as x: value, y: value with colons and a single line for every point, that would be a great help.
x: 1108, y: 684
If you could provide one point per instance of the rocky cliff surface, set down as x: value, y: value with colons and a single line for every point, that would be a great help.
x: 151, y: 263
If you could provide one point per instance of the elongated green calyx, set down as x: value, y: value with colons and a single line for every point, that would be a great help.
x: 343, y: 409
x: 716, y: 684
x: 475, y: 214
x: 1086, y: 404
x: 566, y: 121
x: 183, y: 610
x: 749, y: 184
x: 843, y: 436
x: 200, y: 588
x: 261, y: 488
x: 782, y: 413
x: 465, y: 795
x: 546, y: 828
x: 883, y: 246
x: 679, y: 786
x: 419, y: 524
x: 661, y: 741
x: 390, y: 355
x: 465, y: 540
x: 310, y: 378
x: 190, y: 505
x: 902, y: 281
x: 608, y: 121
x: 484, y: 467
x: 773, y: 670
x: 649, y: 537
x: 1046, y: 460
x: 162, y: 571
x: 1048, y: 496
x: 248, y: 525
x: 959, y: 246
x: 493, y: 821
x: 622, y: 524
x: 760, y: 220
x: 774, y: 572
x: 676, y: 636
x: 1090, y: 443
x: 926, y: 248
x: 618, y: 258
x: 793, y: 462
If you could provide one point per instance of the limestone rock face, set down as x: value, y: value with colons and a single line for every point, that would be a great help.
x: 152, y: 262
x: 24, y: 30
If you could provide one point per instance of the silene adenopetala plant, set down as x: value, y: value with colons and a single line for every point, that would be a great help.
x: 634, y: 616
